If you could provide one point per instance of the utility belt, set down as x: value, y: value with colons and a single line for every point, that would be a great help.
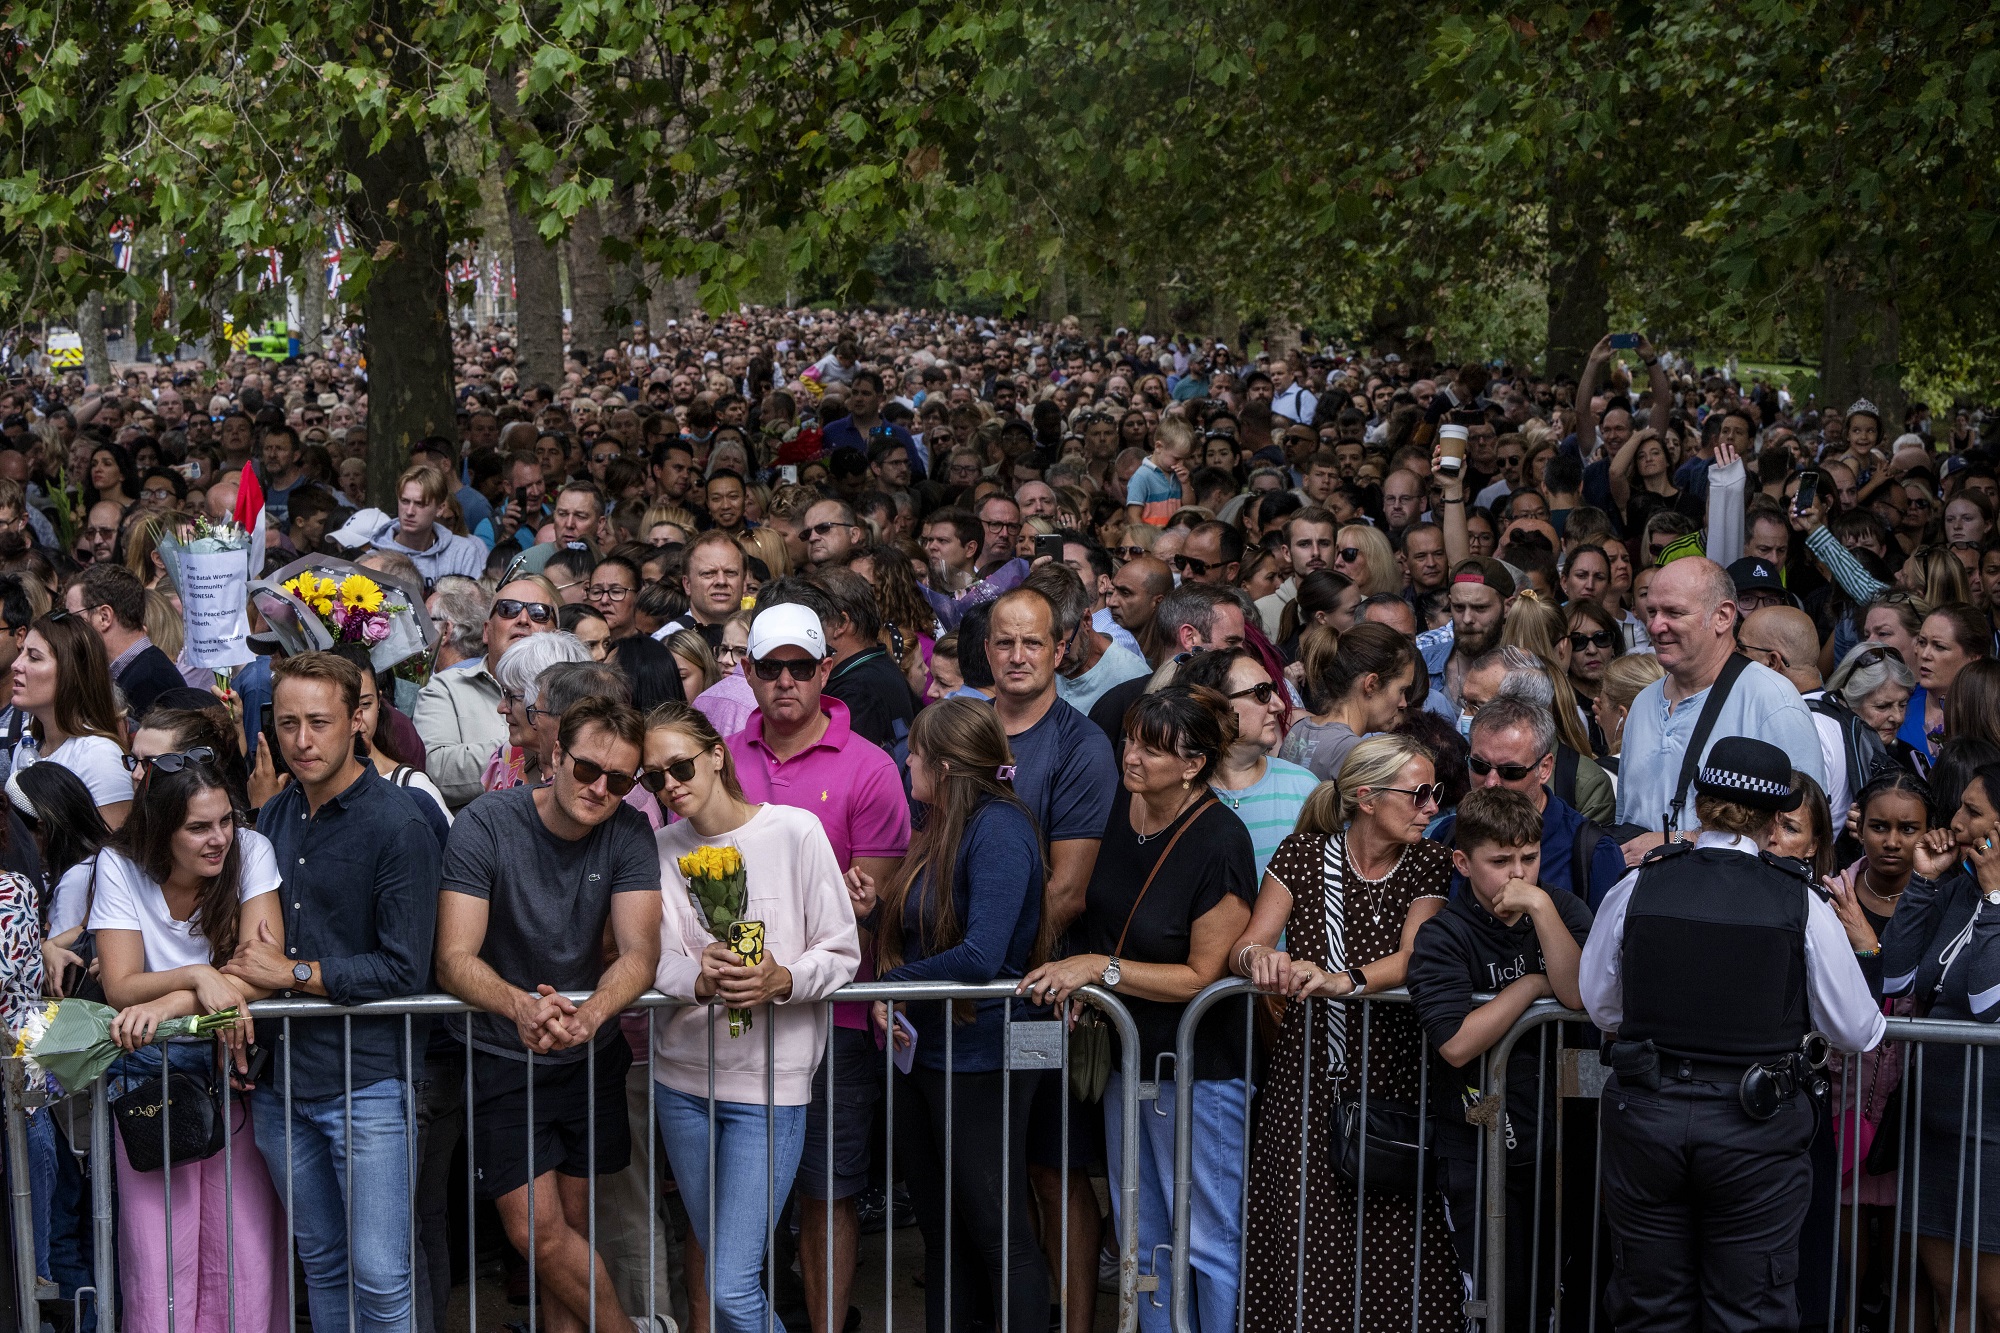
x: 1762, y: 1089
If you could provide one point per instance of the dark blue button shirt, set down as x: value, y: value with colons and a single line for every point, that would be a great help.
x: 360, y: 899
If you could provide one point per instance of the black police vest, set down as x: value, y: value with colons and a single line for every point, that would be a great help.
x: 1715, y: 957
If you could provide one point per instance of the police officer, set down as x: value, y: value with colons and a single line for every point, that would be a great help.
x: 1707, y: 968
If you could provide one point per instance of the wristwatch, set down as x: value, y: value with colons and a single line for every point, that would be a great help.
x: 302, y: 972
x: 1359, y: 978
x: 1110, y: 977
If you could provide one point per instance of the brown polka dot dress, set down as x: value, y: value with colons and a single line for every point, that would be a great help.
x: 1287, y: 1288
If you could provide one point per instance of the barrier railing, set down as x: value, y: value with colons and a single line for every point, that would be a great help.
x: 1030, y: 1046
x: 1934, y: 1238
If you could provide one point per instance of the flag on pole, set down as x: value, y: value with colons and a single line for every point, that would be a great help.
x: 121, y: 246
x: 249, y: 515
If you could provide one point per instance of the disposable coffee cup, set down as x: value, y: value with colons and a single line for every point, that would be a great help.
x: 1451, y: 442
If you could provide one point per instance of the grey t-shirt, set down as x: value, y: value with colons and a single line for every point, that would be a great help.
x: 1321, y: 747
x: 548, y: 899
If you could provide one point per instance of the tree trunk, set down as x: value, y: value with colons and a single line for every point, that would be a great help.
x: 621, y: 230
x: 538, y: 318
x: 1579, y: 279
x: 1055, y: 294
x: 590, y: 329
x: 408, y: 343
x: 96, y: 352
x: 312, y: 306
x: 1860, y: 345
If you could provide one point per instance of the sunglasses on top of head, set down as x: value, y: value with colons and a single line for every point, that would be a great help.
x: 170, y: 763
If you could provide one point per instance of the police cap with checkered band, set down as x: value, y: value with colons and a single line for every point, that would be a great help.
x: 1749, y: 772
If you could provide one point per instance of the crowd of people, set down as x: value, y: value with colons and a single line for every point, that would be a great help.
x: 991, y: 651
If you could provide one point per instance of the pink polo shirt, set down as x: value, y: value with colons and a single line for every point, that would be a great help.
x: 849, y: 782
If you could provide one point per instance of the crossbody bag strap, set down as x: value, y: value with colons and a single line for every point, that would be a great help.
x: 1119, y: 949
x: 1711, y: 709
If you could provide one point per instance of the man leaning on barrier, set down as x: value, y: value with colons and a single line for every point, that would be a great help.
x: 533, y: 877
x: 1712, y: 967
x: 359, y: 869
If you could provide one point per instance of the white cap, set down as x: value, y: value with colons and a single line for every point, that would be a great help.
x: 786, y: 623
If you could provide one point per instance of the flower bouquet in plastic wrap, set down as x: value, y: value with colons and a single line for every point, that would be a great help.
x: 319, y: 601
x: 210, y: 565
x: 718, y: 887
x: 70, y: 1040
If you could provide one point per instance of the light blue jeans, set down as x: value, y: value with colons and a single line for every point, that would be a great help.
x: 317, y: 1194
x: 735, y: 1253
x: 1215, y: 1233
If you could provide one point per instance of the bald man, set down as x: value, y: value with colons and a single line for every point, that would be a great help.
x: 1787, y: 641
x: 1136, y: 590
x: 1691, y: 619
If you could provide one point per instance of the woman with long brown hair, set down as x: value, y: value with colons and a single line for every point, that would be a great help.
x: 966, y: 906
x: 62, y: 681
x: 1541, y: 628
x: 909, y: 625
x: 178, y: 886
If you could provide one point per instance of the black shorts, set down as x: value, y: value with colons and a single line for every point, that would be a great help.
x: 561, y: 1128
x: 857, y: 1093
x: 1046, y: 1146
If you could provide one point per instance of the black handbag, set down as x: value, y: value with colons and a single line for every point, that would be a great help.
x: 1392, y: 1151
x: 187, y: 1108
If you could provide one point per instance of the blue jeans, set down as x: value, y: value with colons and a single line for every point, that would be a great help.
x: 1215, y: 1233
x: 42, y: 1179
x: 316, y: 1194
x: 736, y: 1251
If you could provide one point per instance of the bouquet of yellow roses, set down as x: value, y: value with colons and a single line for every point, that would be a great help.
x: 718, y: 888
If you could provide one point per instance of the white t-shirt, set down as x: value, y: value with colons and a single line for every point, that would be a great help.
x: 128, y: 899
x: 98, y: 761
x: 72, y: 891
x: 412, y: 780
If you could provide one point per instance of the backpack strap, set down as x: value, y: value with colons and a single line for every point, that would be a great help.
x: 1563, y: 780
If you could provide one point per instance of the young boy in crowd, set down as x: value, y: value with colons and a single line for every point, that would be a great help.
x: 1512, y: 938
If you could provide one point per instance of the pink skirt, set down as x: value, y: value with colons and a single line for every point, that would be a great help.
x: 228, y: 1237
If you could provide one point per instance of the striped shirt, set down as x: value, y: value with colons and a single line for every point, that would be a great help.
x: 1269, y: 807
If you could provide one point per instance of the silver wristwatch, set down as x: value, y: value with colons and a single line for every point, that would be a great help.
x: 1110, y: 977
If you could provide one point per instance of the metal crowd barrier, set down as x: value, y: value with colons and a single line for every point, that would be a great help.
x: 1025, y: 1051
x: 1839, y: 1288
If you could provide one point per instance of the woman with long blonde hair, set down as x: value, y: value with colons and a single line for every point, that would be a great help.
x: 1346, y: 894
x: 1541, y: 628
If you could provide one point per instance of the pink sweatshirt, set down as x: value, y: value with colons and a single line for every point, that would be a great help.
x: 795, y: 889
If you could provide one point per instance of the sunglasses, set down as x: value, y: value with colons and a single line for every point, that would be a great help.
x: 171, y: 763
x: 1262, y: 692
x: 1348, y: 554
x: 1427, y: 794
x: 1188, y: 564
x: 1128, y: 552
x: 1508, y: 772
x: 1578, y: 641
x: 770, y: 668
x: 821, y: 529
x: 1875, y: 655
x: 540, y: 613
x: 618, y: 784
x: 681, y: 771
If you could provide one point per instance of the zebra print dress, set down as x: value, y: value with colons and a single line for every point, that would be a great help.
x: 1338, y: 919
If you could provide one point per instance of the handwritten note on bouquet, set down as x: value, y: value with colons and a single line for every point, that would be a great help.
x: 212, y: 589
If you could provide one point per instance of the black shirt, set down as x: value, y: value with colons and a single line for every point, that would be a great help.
x: 359, y: 897
x: 1215, y: 859
x: 1463, y: 951
x: 1111, y: 706
x: 146, y: 677
x: 879, y: 706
